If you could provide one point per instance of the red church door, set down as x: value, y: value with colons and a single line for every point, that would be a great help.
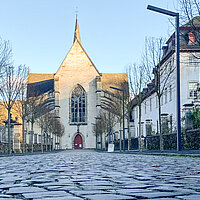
x: 78, y: 142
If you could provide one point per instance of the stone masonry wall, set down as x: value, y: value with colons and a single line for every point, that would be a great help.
x: 190, y: 139
x: 3, y: 147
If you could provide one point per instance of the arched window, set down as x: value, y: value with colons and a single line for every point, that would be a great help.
x: 78, y: 105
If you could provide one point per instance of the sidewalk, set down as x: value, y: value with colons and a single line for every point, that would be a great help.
x: 186, y: 153
x: 30, y: 153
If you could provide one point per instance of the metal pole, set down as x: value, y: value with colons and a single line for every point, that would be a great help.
x: 178, y: 85
x: 123, y: 122
x: 109, y: 132
x: 122, y: 116
x: 9, y: 132
x: 178, y: 104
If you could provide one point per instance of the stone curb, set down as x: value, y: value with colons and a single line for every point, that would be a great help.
x: 153, y: 153
x: 29, y: 153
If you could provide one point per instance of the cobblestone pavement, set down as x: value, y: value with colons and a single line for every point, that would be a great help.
x: 78, y: 175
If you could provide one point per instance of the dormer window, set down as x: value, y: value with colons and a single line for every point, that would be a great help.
x: 193, y: 89
x: 191, y: 37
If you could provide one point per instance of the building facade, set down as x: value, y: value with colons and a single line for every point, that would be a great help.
x: 77, y: 90
x: 189, y: 80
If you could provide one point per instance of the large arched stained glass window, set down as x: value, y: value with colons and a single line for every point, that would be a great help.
x: 78, y: 105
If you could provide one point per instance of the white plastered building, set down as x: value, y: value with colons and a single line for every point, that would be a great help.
x: 189, y: 80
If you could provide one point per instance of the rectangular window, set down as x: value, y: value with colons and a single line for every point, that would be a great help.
x: 165, y: 95
x: 136, y: 112
x: 170, y: 66
x: 57, y: 111
x: 156, y: 101
x: 145, y: 107
x: 161, y: 100
x: 193, y: 61
x: 35, y: 138
x: 132, y: 116
x: 30, y: 137
x: 193, y: 92
x: 39, y: 138
x: 142, y: 128
x: 170, y: 123
x: 150, y: 102
x: 170, y: 93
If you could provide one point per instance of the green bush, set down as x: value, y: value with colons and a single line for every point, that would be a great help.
x: 196, y: 118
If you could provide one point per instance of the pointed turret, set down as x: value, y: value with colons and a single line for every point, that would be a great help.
x: 77, y: 33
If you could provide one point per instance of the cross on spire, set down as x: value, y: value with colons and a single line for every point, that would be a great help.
x: 76, y: 11
x: 77, y: 33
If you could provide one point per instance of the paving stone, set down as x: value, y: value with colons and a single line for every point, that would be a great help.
x: 137, y: 186
x: 190, y: 197
x: 96, y: 187
x: 20, y: 190
x: 101, y: 183
x: 165, y: 188
x: 151, y: 195
x: 174, y: 198
x: 99, y: 176
x: 53, y: 184
x: 130, y: 191
x: 107, y: 196
x: 89, y: 192
x: 7, y: 186
x: 38, y: 181
x: 62, y: 188
x: 63, y: 198
x: 4, y: 196
x: 48, y: 194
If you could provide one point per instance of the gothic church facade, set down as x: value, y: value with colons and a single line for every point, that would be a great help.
x: 78, y: 87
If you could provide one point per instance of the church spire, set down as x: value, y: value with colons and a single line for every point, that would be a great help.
x: 77, y: 33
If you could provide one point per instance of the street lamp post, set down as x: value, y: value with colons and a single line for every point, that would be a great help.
x: 176, y: 15
x: 123, y: 119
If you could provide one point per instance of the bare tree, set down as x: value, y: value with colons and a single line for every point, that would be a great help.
x: 59, y: 129
x: 128, y: 108
x: 100, y: 127
x: 11, y: 84
x: 51, y: 125
x: 43, y: 125
x: 35, y: 108
x: 137, y: 81
x: 5, y: 60
x: 55, y: 127
x: 189, y: 9
x: 5, y: 56
x: 21, y: 105
x: 152, y: 62
x: 111, y: 103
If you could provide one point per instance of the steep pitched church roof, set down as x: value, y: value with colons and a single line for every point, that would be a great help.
x: 34, y: 78
x: 115, y: 80
x: 77, y: 40
x: 107, y: 79
x: 77, y: 32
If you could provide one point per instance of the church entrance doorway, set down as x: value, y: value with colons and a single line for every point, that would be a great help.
x: 78, y: 142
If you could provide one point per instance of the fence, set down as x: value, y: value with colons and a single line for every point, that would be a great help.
x: 190, y: 140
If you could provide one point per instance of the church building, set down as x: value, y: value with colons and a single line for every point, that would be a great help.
x: 78, y: 89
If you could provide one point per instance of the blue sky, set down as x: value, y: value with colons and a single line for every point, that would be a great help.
x: 112, y: 31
